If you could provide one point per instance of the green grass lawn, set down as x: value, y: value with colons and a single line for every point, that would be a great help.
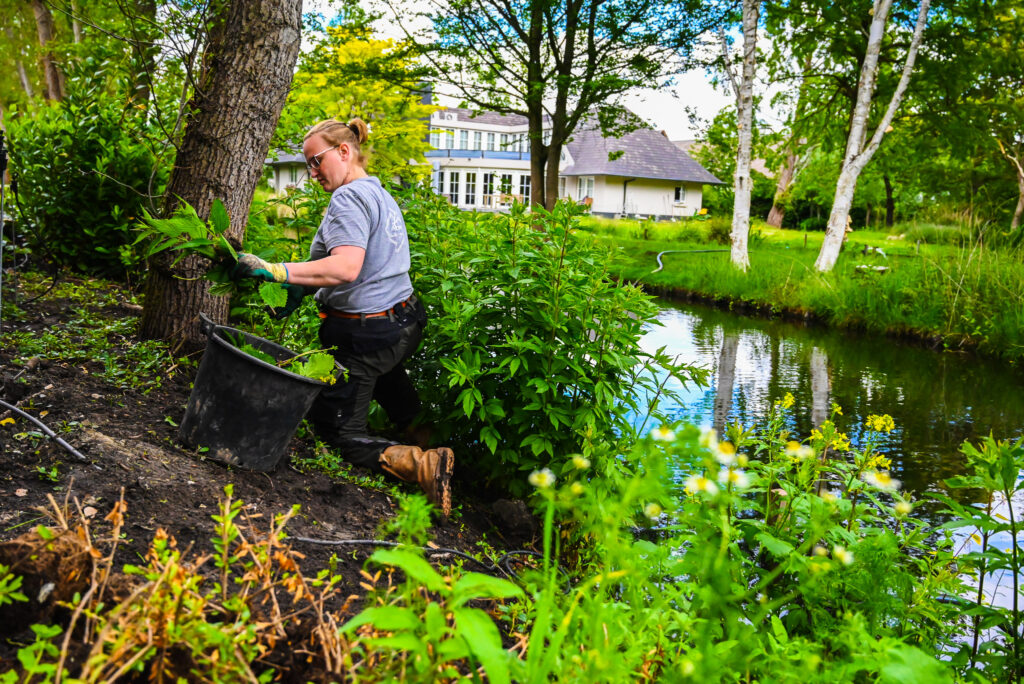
x: 969, y: 296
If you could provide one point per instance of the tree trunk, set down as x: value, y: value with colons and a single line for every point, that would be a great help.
x: 247, y: 71
x: 76, y: 25
x: 26, y: 83
x: 742, y: 182
x: 890, y: 202
x: 726, y: 380
x: 45, y: 31
x: 782, y: 186
x: 821, y: 388
x: 858, y: 154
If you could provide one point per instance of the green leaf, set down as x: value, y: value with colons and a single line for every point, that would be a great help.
x: 774, y: 546
x: 273, y: 295
x: 385, y: 618
x: 415, y: 567
x: 474, y: 585
x: 484, y: 640
x: 219, y: 220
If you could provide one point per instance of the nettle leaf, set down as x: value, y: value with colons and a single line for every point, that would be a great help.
x: 219, y: 220
x: 273, y: 295
x: 319, y: 366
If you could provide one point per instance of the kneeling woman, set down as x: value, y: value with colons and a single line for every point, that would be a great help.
x: 359, y: 268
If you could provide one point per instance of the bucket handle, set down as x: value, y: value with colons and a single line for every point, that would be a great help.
x: 206, y: 326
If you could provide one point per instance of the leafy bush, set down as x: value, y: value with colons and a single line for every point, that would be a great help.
x: 532, y: 353
x: 814, y: 223
x: 84, y: 177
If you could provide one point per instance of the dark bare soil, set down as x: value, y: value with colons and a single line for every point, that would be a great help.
x: 130, y: 444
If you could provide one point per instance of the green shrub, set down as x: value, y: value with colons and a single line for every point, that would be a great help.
x: 814, y: 223
x: 532, y: 353
x: 84, y: 177
x: 934, y: 234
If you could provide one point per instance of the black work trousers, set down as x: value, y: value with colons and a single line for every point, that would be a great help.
x: 373, y: 350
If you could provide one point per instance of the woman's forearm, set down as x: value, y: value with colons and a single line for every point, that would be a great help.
x: 342, y: 266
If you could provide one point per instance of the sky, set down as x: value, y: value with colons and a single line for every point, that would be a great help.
x: 664, y: 109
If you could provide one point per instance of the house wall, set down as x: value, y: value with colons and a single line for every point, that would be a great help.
x: 518, y: 169
x: 286, y: 175
x: 643, y: 197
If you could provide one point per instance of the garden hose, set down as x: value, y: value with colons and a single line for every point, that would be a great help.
x: 49, y: 433
x: 682, y: 251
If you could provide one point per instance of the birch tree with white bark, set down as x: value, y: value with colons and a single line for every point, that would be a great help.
x: 743, y: 89
x: 860, y: 149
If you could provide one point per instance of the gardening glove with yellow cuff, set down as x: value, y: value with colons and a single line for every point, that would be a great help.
x: 251, y: 266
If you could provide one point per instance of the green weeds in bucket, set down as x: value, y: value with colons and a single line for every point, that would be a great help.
x: 317, y: 364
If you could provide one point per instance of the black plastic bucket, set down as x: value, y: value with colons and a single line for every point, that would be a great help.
x: 243, y: 409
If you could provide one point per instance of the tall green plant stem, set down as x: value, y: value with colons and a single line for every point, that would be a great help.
x: 981, y: 581
x: 1007, y: 491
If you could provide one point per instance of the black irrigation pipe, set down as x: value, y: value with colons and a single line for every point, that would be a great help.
x: 501, y: 565
x: 49, y: 433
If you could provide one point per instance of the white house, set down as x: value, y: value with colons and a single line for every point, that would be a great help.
x: 481, y: 161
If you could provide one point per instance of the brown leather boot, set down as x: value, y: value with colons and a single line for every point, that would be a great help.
x: 431, y: 470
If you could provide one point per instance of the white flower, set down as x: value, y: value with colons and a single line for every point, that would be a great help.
x: 798, y: 451
x: 580, y: 462
x: 882, y: 480
x: 725, y: 453
x: 663, y: 434
x: 903, y: 508
x: 652, y: 511
x: 709, y: 438
x: 820, y: 551
x: 734, y: 477
x: 842, y: 555
x: 699, y: 483
x: 542, y: 479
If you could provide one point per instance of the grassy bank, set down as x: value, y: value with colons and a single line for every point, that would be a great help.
x: 947, y: 289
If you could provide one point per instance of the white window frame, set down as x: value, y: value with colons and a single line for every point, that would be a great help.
x: 453, y: 187
x: 585, y: 187
x: 490, y: 142
x: 477, y: 140
x: 463, y: 140
x: 524, y: 187
x: 680, y: 196
x: 471, y: 188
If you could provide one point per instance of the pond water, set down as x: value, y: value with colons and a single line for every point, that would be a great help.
x: 937, y: 399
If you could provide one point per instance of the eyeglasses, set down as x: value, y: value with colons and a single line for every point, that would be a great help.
x: 315, y: 161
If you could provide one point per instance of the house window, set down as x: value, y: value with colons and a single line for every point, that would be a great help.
x: 477, y: 145
x: 680, y: 194
x: 490, y: 141
x: 524, y: 188
x: 504, y: 141
x: 488, y: 191
x: 440, y: 182
x: 453, y: 187
x: 506, y: 183
x: 463, y: 140
x: 471, y: 187
x: 547, y: 136
x: 584, y: 187
x: 435, y: 139
x: 293, y: 175
x: 561, y: 186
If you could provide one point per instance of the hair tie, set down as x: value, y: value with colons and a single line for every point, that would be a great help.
x: 354, y: 129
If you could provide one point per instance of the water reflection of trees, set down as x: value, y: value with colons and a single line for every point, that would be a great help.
x: 937, y: 400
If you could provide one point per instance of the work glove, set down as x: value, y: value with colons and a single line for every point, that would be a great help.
x: 295, y: 296
x: 251, y: 266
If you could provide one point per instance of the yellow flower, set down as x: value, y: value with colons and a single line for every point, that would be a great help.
x: 576, y: 488
x: 742, y: 460
x: 698, y: 483
x: 663, y: 434
x: 542, y: 479
x: 798, y: 452
x: 736, y: 478
x: 882, y: 423
x: 820, y: 551
x: 652, y: 511
x: 829, y: 497
x: 837, y: 410
x: 903, y: 508
x: 882, y: 480
x: 580, y: 462
x: 842, y: 555
x: 879, y: 461
x: 786, y: 401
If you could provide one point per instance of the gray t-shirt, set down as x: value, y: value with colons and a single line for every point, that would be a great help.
x: 363, y: 214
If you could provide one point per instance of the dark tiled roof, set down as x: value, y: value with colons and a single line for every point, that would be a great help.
x: 646, y: 153
x: 490, y: 118
x: 286, y: 158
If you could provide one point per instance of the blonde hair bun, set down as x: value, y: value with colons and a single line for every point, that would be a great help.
x: 360, y: 129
